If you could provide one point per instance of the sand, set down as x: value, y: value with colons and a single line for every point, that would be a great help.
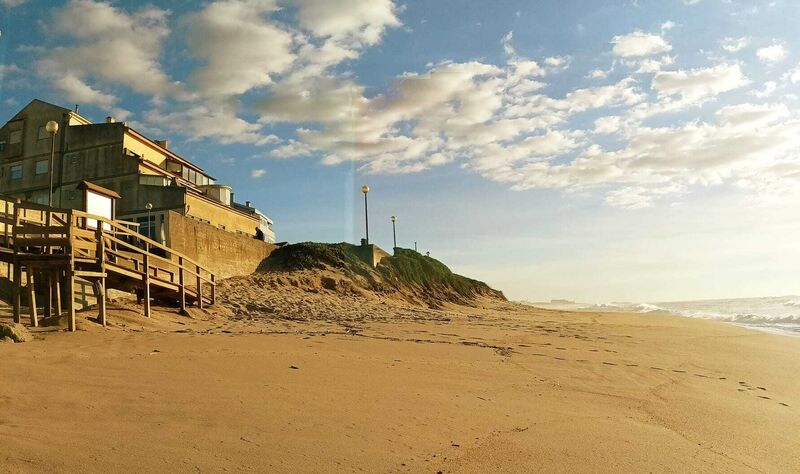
x: 308, y: 381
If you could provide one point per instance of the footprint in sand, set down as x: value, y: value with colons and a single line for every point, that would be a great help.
x: 609, y: 363
x: 784, y: 404
x: 632, y: 365
x: 656, y: 368
x: 765, y: 398
x: 679, y: 371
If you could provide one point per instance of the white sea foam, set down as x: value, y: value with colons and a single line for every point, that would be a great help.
x: 776, y: 314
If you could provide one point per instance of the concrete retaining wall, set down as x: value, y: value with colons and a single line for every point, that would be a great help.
x: 224, y: 253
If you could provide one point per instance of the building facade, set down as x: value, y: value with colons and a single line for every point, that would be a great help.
x: 144, y: 172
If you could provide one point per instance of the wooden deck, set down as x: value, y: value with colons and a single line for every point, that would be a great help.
x: 50, y: 248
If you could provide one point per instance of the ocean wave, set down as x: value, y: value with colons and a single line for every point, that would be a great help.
x: 627, y: 308
x: 750, y: 318
x: 793, y: 303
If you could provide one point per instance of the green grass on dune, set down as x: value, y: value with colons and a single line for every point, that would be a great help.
x: 406, y: 271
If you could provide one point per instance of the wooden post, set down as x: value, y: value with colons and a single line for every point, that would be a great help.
x: 199, y: 289
x: 146, y: 283
x: 101, y: 283
x: 101, y: 301
x: 181, y: 285
x: 17, y: 291
x: 71, y: 299
x: 32, y: 298
x: 57, y: 291
x: 17, y: 288
x: 213, y: 289
x: 48, y: 304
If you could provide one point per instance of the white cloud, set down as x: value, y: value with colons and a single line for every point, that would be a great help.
x: 733, y: 45
x: 353, y: 23
x: 291, y: 149
x: 110, y: 46
x: 635, y: 197
x: 607, y: 125
x: 769, y: 88
x: 597, y: 74
x: 650, y: 65
x: 667, y: 25
x: 6, y: 69
x: 772, y: 54
x: 638, y: 44
x: 12, y: 3
x: 691, y: 2
x: 698, y: 84
x: 201, y: 121
x: 258, y: 173
x: 793, y: 75
x: 240, y: 46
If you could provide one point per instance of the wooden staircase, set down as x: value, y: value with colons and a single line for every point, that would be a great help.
x: 53, y: 248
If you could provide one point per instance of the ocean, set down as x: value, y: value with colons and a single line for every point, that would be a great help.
x: 777, y: 314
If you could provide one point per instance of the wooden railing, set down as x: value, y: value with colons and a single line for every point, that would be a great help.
x: 95, y: 247
x: 116, y: 244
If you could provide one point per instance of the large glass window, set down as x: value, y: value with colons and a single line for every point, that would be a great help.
x: 153, y: 180
x: 15, y: 172
x: 15, y: 137
x: 41, y: 167
x: 43, y: 133
x: 2, y: 146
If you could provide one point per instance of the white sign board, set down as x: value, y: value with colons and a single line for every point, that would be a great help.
x: 99, y: 205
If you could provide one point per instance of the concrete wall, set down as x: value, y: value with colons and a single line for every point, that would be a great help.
x: 371, y: 254
x: 222, y: 252
x: 224, y: 217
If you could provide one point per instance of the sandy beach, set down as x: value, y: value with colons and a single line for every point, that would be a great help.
x: 387, y: 387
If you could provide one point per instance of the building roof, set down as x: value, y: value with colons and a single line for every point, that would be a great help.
x: 166, y: 151
x: 98, y: 189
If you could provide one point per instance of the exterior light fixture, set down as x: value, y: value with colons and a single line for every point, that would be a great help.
x: 394, y: 232
x: 52, y: 129
x: 365, y: 190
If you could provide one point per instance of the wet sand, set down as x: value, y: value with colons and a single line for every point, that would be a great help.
x: 397, y: 389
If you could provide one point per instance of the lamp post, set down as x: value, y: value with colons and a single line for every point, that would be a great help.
x: 149, y: 207
x: 394, y: 232
x: 52, y: 129
x: 365, y: 190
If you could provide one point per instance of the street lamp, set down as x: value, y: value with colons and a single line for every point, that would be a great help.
x: 149, y: 207
x: 52, y: 129
x: 394, y: 232
x: 365, y: 190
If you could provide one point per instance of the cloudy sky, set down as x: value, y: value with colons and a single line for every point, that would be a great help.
x: 638, y: 150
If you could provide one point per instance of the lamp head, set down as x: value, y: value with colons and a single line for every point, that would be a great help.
x: 365, y: 189
x: 148, y: 206
x: 51, y: 127
x: 394, y: 218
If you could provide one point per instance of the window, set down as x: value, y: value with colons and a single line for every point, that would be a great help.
x: 15, y: 172
x: 43, y: 133
x: 152, y: 180
x: 2, y: 146
x: 42, y: 167
x: 15, y: 137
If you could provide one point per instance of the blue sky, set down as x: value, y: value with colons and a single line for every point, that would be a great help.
x: 634, y: 150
